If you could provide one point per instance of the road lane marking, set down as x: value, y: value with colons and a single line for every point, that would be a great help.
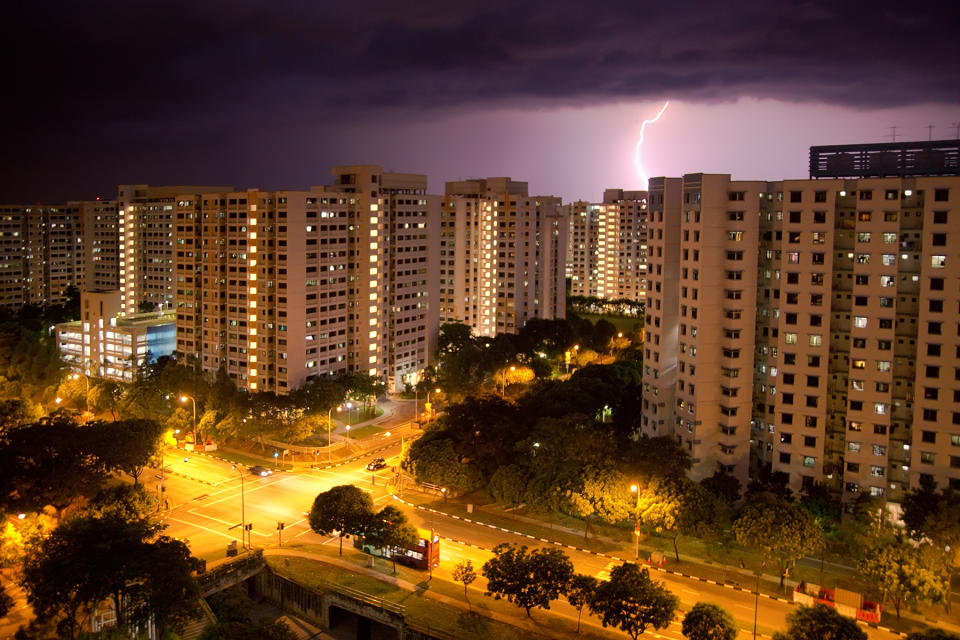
x: 200, y: 526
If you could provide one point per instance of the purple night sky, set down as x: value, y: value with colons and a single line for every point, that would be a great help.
x: 272, y: 94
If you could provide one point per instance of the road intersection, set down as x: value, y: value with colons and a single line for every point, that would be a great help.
x: 208, y: 498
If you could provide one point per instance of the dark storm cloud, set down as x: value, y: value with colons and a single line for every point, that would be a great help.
x: 125, y: 74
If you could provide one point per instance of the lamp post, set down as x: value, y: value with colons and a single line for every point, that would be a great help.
x: 567, y: 354
x: 636, y: 522
x: 86, y: 381
x: 427, y: 405
x: 243, y: 508
x: 183, y: 399
x: 349, y: 408
x: 756, y: 598
x: 330, y: 431
x: 503, y: 381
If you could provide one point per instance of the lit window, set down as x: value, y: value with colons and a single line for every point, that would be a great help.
x: 860, y: 322
x: 938, y: 262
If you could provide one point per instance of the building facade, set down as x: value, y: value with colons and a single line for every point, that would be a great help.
x: 277, y: 287
x: 607, y: 246
x: 106, y: 343
x: 146, y: 217
x: 47, y: 249
x: 502, y: 256
x: 810, y: 324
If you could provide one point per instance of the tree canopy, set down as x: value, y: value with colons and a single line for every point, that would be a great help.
x: 631, y: 601
x: 707, y: 621
x: 820, y: 622
x: 389, y: 529
x: 780, y: 530
x: 88, y: 560
x: 527, y: 579
x: 678, y: 506
x: 344, y: 509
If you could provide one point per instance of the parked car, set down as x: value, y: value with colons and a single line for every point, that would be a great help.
x: 259, y: 470
x: 377, y: 464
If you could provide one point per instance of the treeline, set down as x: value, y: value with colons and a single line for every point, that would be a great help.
x: 466, y: 362
x: 620, y: 306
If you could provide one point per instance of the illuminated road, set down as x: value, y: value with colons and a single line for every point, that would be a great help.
x: 205, y: 510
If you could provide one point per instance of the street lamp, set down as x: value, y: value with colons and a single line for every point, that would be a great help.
x: 349, y: 408
x: 243, y: 509
x: 183, y: 400
x: 330, y: 430
x: 503, y: 380
x: 756, y: 599
x: 86, y: 380
x: 636, y: 521
x: 427, y: 405
x: 567, y: 354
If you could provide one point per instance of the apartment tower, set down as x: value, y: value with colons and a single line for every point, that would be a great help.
x: 830, y: 348
x: 277, y: 287
x: 502, y: 256
x: 606, y: 254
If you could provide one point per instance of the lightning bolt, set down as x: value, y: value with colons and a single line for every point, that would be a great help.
x: 636, y: 152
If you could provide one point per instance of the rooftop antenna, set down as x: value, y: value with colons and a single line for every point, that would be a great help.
x: 930, y: 132
x: 893, y: 132
x: 956, y: 129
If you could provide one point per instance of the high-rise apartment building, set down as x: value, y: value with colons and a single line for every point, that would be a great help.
x: 277, y: 287
x: 146, y: 241
x: 607, y: 246
x: 701, y: 301
x: 100, y: 243
x: 48, y: 249
x: 502, y: 256
x: 812, y: 322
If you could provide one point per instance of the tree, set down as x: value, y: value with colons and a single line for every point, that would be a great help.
x: 935, y: 516
x: 678, y: 506
x: 604, y: 494
x: 780, y: 530
x: 580, y: 592
x: 20, y: 536
x: 434, y: 460
x: 464, y: 573
x: 631, y: 601
x: 88, y: 560
x: 6, y: 602
x: 918, y: 504
x: 344, y: 509
x: 389, y: 530
x: 129, y: 445
x: 52, y: 462
x: 527, y: 579
x: 127, y: 501
x: 820, y: 622
x: 707, y: 621
x: 897, y: 568
x: 724, y: 487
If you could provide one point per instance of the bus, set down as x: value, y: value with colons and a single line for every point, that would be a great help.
x: 423, y: 554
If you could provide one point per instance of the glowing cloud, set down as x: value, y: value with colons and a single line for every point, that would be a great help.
x: 636, y: 152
